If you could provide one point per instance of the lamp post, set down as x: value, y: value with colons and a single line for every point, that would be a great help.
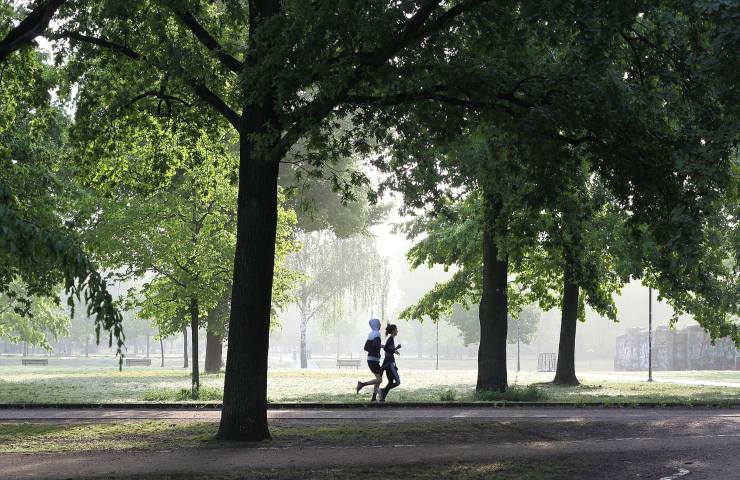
x: 650, y: 334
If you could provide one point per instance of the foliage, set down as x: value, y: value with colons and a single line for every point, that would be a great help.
x: 180, y: 237
x: 448, y: 395
x: 522, y: 327
x: 35, y: 321
x: 654, y: 192
x: 334, y: 270
x: 38, y: 246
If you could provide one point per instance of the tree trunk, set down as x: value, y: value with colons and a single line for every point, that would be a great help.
x: 194, y: 314
x: 244, y: 413
x: 216, y: 318
x: 303, y: 324
x: 147, y: 345
x: 161, y: 348
x: 492, y: 374
x: 565, y: 374
x: 87, y: 346
x: 214, y: 351
x: 185, y: 347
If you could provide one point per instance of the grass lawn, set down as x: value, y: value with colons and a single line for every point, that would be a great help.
x: 69, y: 385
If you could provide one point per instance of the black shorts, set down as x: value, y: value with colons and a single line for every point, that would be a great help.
x: 374, y: 366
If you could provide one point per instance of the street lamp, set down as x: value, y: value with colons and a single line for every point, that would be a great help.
x: 650, y: 334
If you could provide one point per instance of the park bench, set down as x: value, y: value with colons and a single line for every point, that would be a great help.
x: 348, y: 362
x: 142, y: 362
x: 34, y: 361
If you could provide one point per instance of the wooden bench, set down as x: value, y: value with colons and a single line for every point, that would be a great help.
x: 143, y: 362
x: 348, y: 362
x: 34, y: 361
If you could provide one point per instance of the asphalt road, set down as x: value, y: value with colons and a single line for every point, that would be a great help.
x: 593, y: 443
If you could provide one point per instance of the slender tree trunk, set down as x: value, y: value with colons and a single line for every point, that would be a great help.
x: 194, y: 314
x: 185, y: 347
x: 244, y: 413
x: 161, y: 348
x: 147, y: 345
x: 303, y: 324
x: 492, y: 374
x: 87, y: 346
x: 565, y: 374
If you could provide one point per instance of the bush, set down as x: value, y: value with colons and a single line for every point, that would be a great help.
x: 514, y: 393
x: 205, y: 394
x: 447, y: 395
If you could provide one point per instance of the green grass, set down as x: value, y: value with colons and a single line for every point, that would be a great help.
x: 29, y: 437
x: 60, y: 385
x: 163, y: 435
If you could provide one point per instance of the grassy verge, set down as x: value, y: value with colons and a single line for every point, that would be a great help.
x: 39, y: 385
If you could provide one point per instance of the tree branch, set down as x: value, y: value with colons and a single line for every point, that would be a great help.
x: 98, y: 42
x: 30, y: 27
x: 205, y: 94
x: 416, y: 28
x: 156, y: 94
x: 425, y: 94
x: 209, y: 42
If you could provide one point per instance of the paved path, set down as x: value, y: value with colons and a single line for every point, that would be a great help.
x: 398, y: 414
x: 608, y: 444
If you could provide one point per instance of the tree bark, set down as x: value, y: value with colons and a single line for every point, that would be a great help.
x: 492, y: 374
x: 216, y: 326
x: 194, y: 314
x: 244, y: 413
x: 303, y: 324
x: 214, y: 351
x: 185, y: 347
x: 565, y: 374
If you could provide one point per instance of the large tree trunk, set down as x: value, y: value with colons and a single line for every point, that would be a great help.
x: 566, y: 369
x: 215, y: 335
x: 194, y: 314
x: 492, y: 374
x: 303, y: 324
x: 184, y: 347
x: 244, y: 413
x: 214, y: 351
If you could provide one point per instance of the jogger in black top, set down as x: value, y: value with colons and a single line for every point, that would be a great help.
x: 389, y: 361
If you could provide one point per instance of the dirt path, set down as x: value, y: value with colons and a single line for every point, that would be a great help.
x: 122, y: 465
x: 593, y: 443
x: 398, y: 414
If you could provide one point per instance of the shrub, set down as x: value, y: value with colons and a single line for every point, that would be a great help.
x: 448, y: 395
x: 514, y: 393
